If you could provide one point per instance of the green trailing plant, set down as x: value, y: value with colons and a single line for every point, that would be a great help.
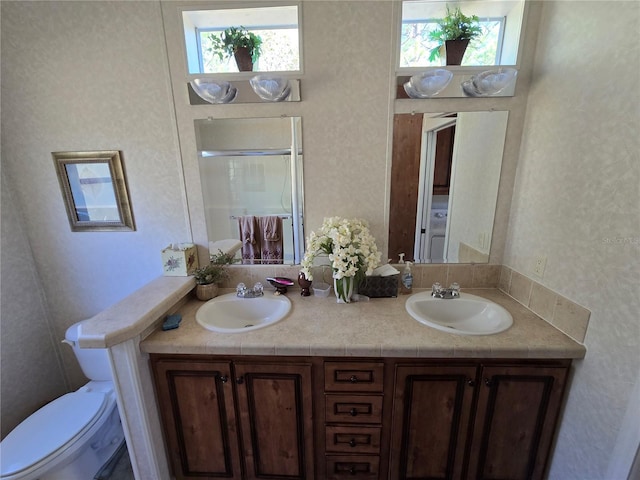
x: 454, y: 26
x: 215, y: 271
x: 233, y: 38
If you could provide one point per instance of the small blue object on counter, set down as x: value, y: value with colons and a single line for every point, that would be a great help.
x: 171, y: 322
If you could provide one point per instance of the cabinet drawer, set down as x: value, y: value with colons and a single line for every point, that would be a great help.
x: 359, y: 439
x: 353, y: 376
x: 353, y: 408
x: 352, y: 466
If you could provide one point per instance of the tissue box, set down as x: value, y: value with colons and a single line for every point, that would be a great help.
x: 377, y: 287
x: 179, y: 260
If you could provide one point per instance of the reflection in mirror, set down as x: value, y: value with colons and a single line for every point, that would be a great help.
x: 251, y: 176
x: 444, y: 185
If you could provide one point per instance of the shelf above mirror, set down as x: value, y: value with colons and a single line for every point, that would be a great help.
x: 476, y: 82
x: 244, y: 93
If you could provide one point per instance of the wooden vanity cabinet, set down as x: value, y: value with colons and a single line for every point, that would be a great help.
x: 353, y: 416
x: 475, y: 421
x: 517, y: 411
x: 432, y: 411
x: 236, y: 418
x: 358, y: 418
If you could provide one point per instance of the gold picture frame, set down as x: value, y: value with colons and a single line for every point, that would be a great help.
x: 94, y: 189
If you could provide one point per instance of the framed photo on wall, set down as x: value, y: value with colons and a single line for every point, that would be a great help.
x: 94, y: 189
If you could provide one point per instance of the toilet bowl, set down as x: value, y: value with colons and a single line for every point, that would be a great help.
x: 72, y: 437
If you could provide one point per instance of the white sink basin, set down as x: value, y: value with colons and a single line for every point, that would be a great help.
x: 231, y: 314
x: 466, y: 315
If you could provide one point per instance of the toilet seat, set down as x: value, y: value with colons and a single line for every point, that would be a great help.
x: 49, y: 430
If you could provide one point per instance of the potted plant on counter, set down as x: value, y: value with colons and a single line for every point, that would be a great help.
x: 454, y: 32
x: 238, y: 42
x: 209, y: 277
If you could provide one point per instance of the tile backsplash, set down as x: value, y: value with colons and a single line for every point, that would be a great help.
x: 562, y: 313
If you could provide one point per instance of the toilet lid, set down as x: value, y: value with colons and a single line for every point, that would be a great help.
x: 50, y: 429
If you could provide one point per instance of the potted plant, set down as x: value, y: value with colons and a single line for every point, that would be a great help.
x: 454, y: 32
x: 238, y: 42
x: 209, y: 277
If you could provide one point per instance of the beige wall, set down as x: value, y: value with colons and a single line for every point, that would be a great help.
x: 89, y: 76
x: 30, y: 365
x: 577, y: 202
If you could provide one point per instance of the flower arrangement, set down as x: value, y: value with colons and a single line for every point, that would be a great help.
x: 351, y: 249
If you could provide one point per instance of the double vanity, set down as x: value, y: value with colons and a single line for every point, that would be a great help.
x: 334, y: 391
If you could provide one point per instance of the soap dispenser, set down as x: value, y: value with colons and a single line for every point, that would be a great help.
x: 406, y: 281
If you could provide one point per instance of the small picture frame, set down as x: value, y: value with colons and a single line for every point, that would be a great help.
x: 94, y: 189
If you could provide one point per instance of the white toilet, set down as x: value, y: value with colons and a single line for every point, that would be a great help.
x: 72, y: 437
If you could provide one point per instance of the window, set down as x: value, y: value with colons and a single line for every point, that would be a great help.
x: 416, y: 45
x: 500, y: 21
x: 277, y: 27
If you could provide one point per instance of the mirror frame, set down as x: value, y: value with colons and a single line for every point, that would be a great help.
x: 116, y: 179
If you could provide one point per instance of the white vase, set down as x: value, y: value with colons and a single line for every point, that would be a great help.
x: 343, y: 288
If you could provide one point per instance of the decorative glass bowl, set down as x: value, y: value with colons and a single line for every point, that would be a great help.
x: 272, y: 89
x: 214, y: 91
x: 489, y: 82
x: 428, y: 84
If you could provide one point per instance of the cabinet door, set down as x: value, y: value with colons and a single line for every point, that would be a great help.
x: 196, y: 404
x: 516, y: 416
x: 431, y: 411
x: 275, y: 413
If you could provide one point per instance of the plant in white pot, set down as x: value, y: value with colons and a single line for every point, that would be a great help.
x: 209, y: 277
x: 454, y: 32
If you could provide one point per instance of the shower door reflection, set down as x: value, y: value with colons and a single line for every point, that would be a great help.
x: 251, y: 176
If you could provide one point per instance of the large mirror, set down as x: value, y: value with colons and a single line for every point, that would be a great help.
x: 444, y: 185
x: 251, y: 175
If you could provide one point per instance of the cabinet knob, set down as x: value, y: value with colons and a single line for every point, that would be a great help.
x: 353, y: 379
x: 223, y: 378
x: 471, y: 382
x: 353, y: 412
x: 240, y: 380
x: 352, y: 470
x: 488, y: 382
x: 352, y: 442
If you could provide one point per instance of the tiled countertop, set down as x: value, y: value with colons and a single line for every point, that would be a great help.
x: 379, y: 327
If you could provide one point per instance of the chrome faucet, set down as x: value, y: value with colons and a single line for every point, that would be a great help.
x: 452, y: 292
x: 243, y: 292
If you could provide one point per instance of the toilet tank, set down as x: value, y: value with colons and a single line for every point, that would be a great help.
x: 93, y: 361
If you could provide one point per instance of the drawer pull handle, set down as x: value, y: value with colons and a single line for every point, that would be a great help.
x: 353, y: 379
x: 352, y: 442
x: 353, y: 412
x: 352, y: 470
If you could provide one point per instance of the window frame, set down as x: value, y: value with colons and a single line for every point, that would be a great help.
x: 192, y: 47
x: 502, y: 20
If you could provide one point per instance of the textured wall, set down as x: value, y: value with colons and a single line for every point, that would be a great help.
x: 90, y: 76
x: 31, y: 369
x: 577, y: 201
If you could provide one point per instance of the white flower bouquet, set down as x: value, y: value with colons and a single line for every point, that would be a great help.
x: 351, y: 249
